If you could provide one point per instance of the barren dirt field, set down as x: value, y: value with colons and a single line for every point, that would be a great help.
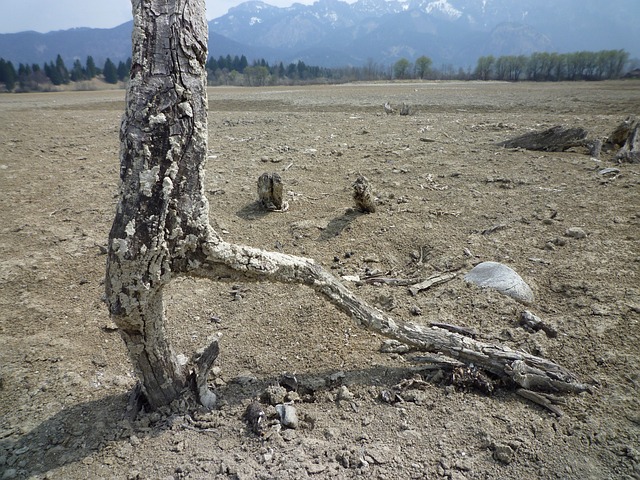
x: 448, y: 198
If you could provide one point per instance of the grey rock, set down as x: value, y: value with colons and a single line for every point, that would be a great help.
x: 344, y: 393
x: 314, y: 468
x: 275, y: 394
x: 504, y: 453
x: 575, y: 232
x: 288, y: 415
x: 501, y: 278
x: 244, y: 379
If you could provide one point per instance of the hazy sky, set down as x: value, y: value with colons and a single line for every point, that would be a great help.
x: 47, y: 15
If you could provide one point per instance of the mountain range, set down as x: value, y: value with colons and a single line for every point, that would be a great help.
x: 334, y: 33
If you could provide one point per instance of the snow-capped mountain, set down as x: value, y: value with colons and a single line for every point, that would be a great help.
x: 335, y: 33
x: 454, y: 32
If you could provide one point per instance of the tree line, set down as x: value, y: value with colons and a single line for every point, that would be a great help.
x: 237, y: 70
x: 543, y: 66
x: 546, y: 67
x: 33, y: 77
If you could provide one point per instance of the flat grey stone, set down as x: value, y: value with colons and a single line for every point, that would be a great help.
x: 501, y: 278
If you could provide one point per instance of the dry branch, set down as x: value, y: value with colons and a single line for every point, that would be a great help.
x: 225, y: 260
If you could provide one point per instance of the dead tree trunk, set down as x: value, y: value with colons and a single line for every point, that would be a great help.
x: 161, y: 227
x: 162, y: 216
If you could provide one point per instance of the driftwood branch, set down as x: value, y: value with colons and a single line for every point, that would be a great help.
x: 430, y: 282
x: 624, y: 141
x: 225, y: 260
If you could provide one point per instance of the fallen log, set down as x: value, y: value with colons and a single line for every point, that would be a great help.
x: 555, y: 139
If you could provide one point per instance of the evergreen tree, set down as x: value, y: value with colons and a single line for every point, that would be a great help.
x: 8, y: 74
x: 62, y: 69
x: 244, y: 63
x: 53, y: 73
x: 77, y: 72
x: 110, y: 72
x: 90, y: 69
x: 123, y: 71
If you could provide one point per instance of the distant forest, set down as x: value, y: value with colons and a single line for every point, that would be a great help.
x: 538, y: 67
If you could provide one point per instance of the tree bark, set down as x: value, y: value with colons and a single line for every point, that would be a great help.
x: 161, y: 227
x: 163, y: 215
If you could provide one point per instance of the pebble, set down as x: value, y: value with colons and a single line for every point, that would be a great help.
x: 344, y: 393
x: 289, y: 435
x: 245, y: 379
x: 504, y: 454
x: 314, y: 468
x: 575, y: 232
x: 503, y: 279
x: 9, y: 473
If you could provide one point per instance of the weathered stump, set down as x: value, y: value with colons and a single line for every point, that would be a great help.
x: 627, y: 136
x: 162, y: 217
x: 270, y: 192
x: 363, y: 196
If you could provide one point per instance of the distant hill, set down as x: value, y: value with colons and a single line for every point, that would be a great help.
x: 335, y: 33
x: 76, y: 43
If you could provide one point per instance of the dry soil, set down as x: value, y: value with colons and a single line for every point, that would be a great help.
x: 448, y: 198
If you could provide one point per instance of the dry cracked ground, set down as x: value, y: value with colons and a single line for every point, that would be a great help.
x: 448, y: 198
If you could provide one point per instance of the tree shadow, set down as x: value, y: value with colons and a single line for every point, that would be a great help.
x: 252, y: 211
x: 339, y: 224
x: 69, y: 436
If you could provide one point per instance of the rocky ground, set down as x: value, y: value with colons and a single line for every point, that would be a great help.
x: 447, y: 197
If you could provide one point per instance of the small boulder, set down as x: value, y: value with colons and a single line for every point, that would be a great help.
x: 501, y: 278
x: 288, y: 415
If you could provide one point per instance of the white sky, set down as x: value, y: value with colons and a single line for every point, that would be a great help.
x: 47, y: 15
